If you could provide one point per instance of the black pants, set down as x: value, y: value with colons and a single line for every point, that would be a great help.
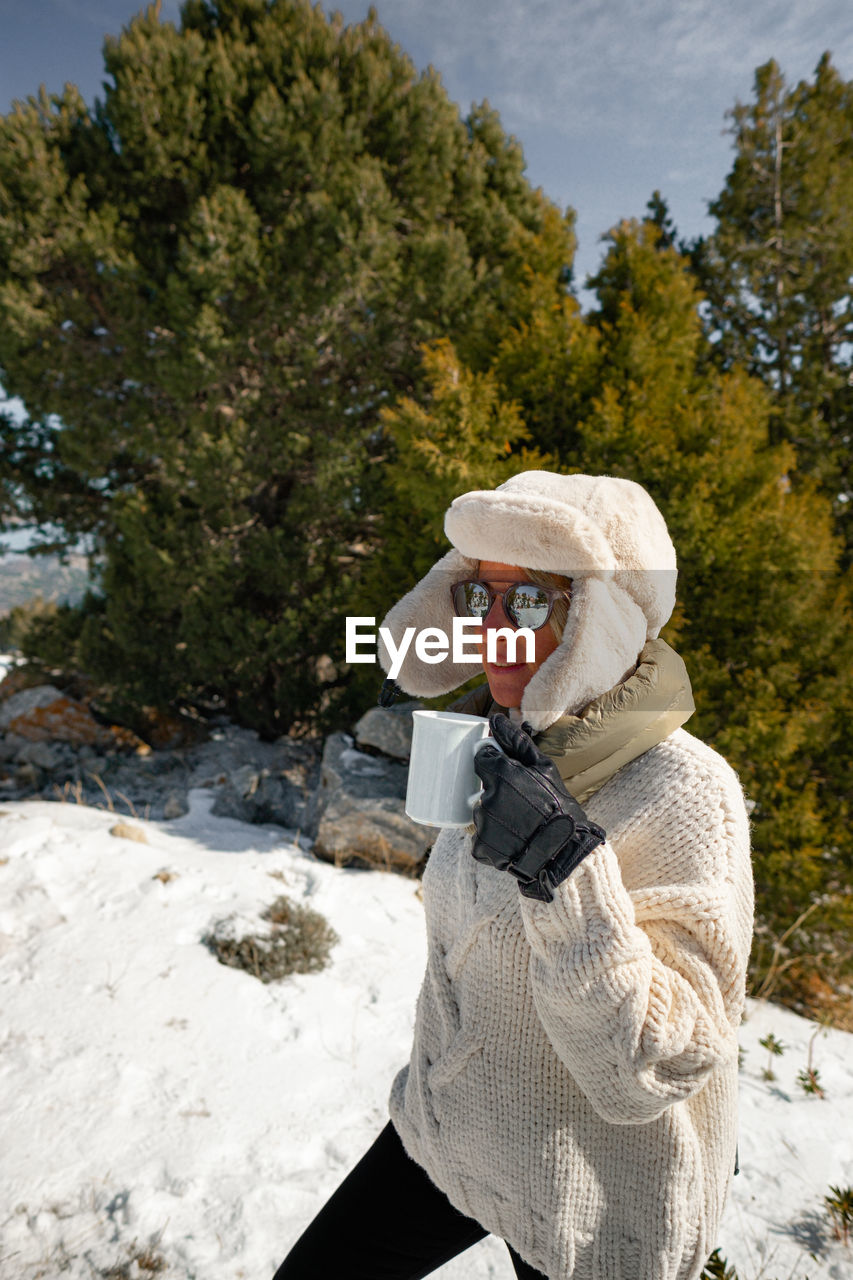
x: 386, y: 1221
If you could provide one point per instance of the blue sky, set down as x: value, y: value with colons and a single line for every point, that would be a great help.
x: 610, y: 99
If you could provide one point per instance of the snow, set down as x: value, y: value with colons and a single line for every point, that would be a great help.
x: 152, y: 1097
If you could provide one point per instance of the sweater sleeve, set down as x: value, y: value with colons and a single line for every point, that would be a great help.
x: 641, y: 992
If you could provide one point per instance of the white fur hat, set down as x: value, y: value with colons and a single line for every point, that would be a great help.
x: 604, y: 533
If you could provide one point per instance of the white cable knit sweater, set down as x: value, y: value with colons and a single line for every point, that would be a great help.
x: 573, y: 1080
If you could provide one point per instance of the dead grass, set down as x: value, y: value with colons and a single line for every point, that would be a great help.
x: 299, y: 941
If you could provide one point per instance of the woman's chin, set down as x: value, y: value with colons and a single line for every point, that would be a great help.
x: 507, y: 684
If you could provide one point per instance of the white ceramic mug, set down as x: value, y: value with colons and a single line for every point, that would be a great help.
x: 443, y: 787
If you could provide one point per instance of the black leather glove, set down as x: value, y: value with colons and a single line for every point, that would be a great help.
x: 526, y: 821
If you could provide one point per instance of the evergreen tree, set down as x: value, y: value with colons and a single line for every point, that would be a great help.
x: 659, y: 215
x: 763, y: 614
x: 778, y: 266
x: 458, y: 433
x: 211, y: 286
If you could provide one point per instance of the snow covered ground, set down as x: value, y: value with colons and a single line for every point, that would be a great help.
x: 154, y: 1099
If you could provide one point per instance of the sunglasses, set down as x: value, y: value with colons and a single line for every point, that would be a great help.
x: 524, y: 603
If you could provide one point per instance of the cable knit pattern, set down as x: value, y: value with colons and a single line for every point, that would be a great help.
x: 573, y: 1080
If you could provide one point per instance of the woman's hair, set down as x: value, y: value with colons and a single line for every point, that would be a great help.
x: 560, y: 612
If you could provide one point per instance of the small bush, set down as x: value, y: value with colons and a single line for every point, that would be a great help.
x: 775, y: 1048
x: 299, y: 940
x: 139, y: 1262
x: 809, y: 1079
x: 717, y: 1268
x: 15, y: 623
x: 839, y: 1206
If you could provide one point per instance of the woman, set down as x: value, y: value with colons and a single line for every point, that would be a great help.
x: 572, y: 1086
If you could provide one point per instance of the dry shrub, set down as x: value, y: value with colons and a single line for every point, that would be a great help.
x: 299, y: 940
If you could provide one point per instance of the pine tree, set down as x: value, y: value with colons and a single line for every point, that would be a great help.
x: 777, y: 268
x: 763, y: 614
x: 459, y: 433
x: 212, y: 284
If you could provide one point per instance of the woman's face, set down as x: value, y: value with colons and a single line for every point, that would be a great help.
x: 507, y: 681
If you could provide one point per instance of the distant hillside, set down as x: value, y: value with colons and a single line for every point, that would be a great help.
x: 22, y: 577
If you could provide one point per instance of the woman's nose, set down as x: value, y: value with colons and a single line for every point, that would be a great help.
x: 497, y: 616
x: 497, y: 620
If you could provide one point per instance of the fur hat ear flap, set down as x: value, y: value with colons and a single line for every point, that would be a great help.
x: 601, y: 643
x: 428, y: 605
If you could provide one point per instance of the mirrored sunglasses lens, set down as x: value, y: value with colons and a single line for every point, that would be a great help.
x: 527, y: 605
x: 472, y: 600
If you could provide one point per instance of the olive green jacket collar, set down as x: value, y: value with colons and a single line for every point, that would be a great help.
x: 614, y: 728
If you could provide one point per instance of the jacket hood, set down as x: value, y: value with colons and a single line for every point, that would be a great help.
x: 616, y: 727
x: 603, y: 532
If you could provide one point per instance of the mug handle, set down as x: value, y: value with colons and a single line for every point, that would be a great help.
x: 480, y: 742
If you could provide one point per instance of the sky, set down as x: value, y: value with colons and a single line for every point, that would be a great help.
x: 610, y: 99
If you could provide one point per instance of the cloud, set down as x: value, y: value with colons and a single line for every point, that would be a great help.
x: 624, y: 61
x: 612, y: 98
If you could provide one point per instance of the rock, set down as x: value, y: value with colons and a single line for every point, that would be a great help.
x: 349, y: 801
x: 27, y: 777
x: 247, y: 779
x: 124, y: 831
x: 266, y: 798
x: 387, y: 729
x: 41, y: 754
x: 165, y: 732
x: 175, y: 806
x: 371, y: 832
x: 126, y: 740
x: 11, y: 745
x: 142, y: 784
x: 357, y: 814
x: 17, y: 678
x: 345, y: 768
x: 25, y: 700
x: 43, y: 714
x: 259, y: 781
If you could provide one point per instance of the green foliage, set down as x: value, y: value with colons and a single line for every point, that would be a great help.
x: 763, y: 617
x: 809, y: 1081
x: 775, y: 1048
x: 717, y: 1268
x: 212, y: 284
x: 809, y: 1078
x: 273, y: 303
x: 839, y: 1206
x: 15, y: 624
x: 460, y: 435
x: 777, y: 268
x: 299, y: 940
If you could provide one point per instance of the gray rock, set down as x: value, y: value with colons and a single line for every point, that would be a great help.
x: 370, y: 776
x: 357, y: 814
x: 275, y: 799
x: 387, y: 729
x: 28, y: 777
x: 175, y: 806
x: 259, y: 781
x: 349, y: 801
x: 41, y: 695
x: 371, y: 832
x: 42, y: 754
x: 246, y: 780
x: 11, y: 744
